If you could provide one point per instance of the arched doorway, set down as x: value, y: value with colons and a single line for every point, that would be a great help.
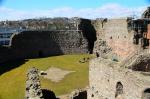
x: 146, y: 94
x: 119, y: 90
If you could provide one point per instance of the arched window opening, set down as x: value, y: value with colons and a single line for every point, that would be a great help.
x: 146, y: 94
x: 119, y: 89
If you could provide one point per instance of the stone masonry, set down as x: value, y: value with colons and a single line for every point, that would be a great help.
x: 124, y: 71
x: 118, y: 38
x: 77, y: 39
x: 104, y: 75
x: 33, y: 87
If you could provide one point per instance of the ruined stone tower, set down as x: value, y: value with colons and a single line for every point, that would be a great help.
x: 124, y: 71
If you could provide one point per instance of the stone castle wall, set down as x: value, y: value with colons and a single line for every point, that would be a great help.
x: 32, y: 44
x: 72, y: 36
x: 117, y: 36
x: 111, y: 74
x: 104, y: 75
x: 114, y: 45
x: 6, y: 54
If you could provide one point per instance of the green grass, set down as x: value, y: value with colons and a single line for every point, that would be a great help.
x: 12, y: 82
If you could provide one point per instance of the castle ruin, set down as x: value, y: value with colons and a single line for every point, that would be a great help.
x: 122, y: 46
x: 121, y: 69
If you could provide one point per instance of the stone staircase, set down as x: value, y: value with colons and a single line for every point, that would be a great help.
x: 131, y: 59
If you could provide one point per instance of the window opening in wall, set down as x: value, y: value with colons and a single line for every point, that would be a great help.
x: 146, y: 94
x: 119, y: 90
x: 97, y: 54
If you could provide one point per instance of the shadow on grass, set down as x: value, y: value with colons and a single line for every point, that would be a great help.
x: 9, y: 65
x: 47, y: 94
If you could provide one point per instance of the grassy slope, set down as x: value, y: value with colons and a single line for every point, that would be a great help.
x: 12, y: 83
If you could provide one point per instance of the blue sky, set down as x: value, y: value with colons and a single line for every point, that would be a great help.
x: 22, y: 9
x: 78, y: 4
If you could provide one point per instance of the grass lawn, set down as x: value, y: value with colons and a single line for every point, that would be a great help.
x: 12, y: 82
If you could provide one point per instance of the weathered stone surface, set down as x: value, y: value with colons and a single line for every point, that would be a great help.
x: 128, y: 77
x: 31, y: 44
x: 104, y: 75
x: 33, y: 87
x: 101, y: 49
x: 49, y: 43
x: 114, y: 37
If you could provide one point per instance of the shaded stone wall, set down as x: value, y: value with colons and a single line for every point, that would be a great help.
x: 6, y: 54
x: 46, y: 43
x: 89, y: 32
x: 79, y: 38
x: 32, y: 44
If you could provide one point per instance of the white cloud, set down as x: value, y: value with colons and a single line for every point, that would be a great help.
x: 105, y: 11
